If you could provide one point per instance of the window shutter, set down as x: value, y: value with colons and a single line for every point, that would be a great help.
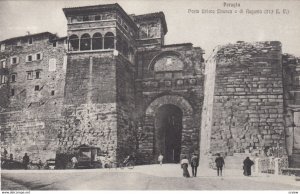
x: 27, y: 58
x: 34, y: 58
x: 11, y: 60
x: 17, y: 60
x: 3, y: 63
x: 41, y: 55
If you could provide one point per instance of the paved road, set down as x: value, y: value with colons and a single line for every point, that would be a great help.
x: 153, y: 177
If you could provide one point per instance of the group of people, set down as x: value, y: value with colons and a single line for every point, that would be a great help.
x: 247, y: 163
x: 25, y: 159
x: 219, y: 162
x: 185, y: 163
x: 5, y: 155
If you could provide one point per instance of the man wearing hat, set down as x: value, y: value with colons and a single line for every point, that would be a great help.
x: 194, y: 164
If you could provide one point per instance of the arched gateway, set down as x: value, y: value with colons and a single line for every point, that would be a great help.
x: 169, y: 124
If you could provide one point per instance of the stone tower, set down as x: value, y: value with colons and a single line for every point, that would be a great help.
x: 99, y: 79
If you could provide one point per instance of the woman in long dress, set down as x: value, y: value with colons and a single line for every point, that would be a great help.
x: 247, y: 166
x: 184, y: 165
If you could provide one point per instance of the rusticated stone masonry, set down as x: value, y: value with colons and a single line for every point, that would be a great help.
x: 248, y: 99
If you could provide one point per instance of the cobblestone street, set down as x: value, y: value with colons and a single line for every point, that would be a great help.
x: 151, y: 177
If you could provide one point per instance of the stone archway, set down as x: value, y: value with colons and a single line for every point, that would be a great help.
x: 149, y: 147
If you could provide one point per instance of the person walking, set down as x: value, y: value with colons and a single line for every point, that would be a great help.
x: 4, y: 153
x: 160, y: 158
x: 194, y: 164
x: 247, y: 166
x: 184, y: 165
x: 25, y: 161
x: 219, y: 163
x: 11, y: 157
x: 74, y: 162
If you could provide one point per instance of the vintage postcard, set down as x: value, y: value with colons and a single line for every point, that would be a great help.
x: 150, y: 95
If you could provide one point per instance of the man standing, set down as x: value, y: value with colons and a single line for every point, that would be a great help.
x: 5, y: 153
x: 25, y: 161
x: 219, y: 163
x: 194, y: 164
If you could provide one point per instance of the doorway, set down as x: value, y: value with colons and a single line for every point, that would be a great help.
x: 168, y: 124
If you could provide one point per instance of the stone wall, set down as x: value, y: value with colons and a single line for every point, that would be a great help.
x: 125, y: 74
x: 31, y: 118
x: 90, y: 102
x: 248, y: 99
x: 291, y: 75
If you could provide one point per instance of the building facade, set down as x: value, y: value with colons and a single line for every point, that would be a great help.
x: 113, y: 83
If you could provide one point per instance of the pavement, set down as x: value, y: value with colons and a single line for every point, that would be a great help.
x: 147, y: 177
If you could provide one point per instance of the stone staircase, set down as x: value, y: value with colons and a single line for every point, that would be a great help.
x: 235, y: 161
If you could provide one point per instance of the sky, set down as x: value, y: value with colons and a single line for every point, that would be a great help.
x: 202, y: 29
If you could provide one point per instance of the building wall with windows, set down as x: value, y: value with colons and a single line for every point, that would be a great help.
x: 33, y: 91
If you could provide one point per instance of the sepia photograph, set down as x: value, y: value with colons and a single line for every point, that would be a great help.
x: 114, y: 95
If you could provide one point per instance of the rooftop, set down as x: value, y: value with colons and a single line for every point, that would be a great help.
x: 95, y: 8
x: 29, y: 35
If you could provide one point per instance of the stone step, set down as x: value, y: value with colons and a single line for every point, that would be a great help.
x: 235, y: 161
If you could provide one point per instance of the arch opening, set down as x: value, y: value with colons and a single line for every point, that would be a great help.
x: 168, y: 128
x: 97, y: 42
x: 85, y: 42
x: 73, y: 43
x: 109, y: 40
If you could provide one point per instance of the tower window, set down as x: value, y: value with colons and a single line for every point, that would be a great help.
x: 52, y: 93
x: 85, y: 42
x: 54, y: 44
x: 109, y: 40
x: 74, y: 43
x: 97, y: 41
x: 36, y: 88
x: 12, y: 92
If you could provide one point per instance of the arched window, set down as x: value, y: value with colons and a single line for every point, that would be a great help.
x: 97, y: 41
x: 109, y: 40
x: 131, y: 55
x: 85, y: 42
x: 73, y: 43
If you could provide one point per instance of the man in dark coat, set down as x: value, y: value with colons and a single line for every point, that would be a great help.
x: 194, y: 164
x: 247, y: 166
x: 25, y: 161
x: 219, y: 163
